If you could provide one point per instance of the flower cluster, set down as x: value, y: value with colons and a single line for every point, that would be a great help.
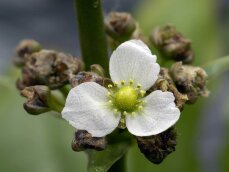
x: 140, y: 100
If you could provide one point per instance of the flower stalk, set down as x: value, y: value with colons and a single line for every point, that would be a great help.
x: 92, y: 33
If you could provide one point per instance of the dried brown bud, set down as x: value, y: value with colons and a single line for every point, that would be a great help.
x: 165, y: 83
x: 24, y: 49
x: 120, y: 26
x: 83, y: 140
x: 37, y: 99
x: 49, y: 68
x: 96, y: 68
x: 190, y: 80
x: 172, y: 44
x: 157, y: 148
x: 89, y: 77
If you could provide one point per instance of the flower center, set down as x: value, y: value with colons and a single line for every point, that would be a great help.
x: 125, y: 98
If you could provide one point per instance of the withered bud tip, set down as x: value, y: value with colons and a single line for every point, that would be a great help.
x: 24, y: 49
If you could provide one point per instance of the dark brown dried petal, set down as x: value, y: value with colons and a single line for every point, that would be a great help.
x: 83, y: 140
x: 157, y: 148
x: 49, y: 68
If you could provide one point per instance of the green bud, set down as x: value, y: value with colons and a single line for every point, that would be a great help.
x: 24, y: 49
x: 120, y: 26
x: 157, y: 148
x: 172, y: 44
x: 190, y: 80
x: 83, y: 141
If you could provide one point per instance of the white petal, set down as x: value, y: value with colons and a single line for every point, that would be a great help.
x: 86, y: 109
x: 158, y: 114
x: 133, y: 60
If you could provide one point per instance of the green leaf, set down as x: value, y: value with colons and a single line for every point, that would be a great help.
x: 101, y: 161
x: 217, y: 67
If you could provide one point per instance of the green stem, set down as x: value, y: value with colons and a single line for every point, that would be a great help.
x: 119, y: 166
x: 92, y: 33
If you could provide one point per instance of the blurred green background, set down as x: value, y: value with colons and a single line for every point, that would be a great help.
x: 42, y: 143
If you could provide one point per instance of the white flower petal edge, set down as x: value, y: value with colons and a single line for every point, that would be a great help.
x: 158, y: 115
x: 86, y: 109
x: 133, y: 60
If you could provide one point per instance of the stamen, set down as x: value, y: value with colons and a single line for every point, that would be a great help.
x: 110, y: 86
x: 124, y: 113
x: 142, y: 92
x: 122, y: 82
x: 140, y: 107
x: 115, y: 110
x: 133, y: 113
x: 131, y: 81
x: 115, y: 83
x: 110, y: 102
x: 139, y: 86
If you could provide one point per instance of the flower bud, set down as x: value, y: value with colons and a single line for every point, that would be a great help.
x: 190, y: 80
x: 165, y: 83
x: 83, y: 140
x: 120, y: 26
x: 96, y: 68
x: 24, y: 49
x: 49, y: 68
x: 83, y: 76
x: 157, y: 148
x: 172, y: 44
x: 37, y: 99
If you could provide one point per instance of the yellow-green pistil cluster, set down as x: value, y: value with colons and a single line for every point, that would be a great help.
x: 125, y: 98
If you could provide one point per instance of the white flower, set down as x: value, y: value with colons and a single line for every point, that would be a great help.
x: 133, y: 69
